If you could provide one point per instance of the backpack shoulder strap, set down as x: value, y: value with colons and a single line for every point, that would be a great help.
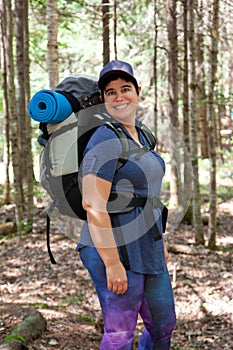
x: 124, y: 142
x: 148, y: 135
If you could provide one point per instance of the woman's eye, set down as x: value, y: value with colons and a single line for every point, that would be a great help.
x: 110, y: 93
x: 126, y: 90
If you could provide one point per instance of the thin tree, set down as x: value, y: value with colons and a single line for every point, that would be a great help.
x: 13, y: 113
x: 28, y: 127
x: 173, y: 97
x: 115, y: 27
x: 212, y: 122
x: 201, y: 84
x: 7, y: 187
x: 196, y: 203
x: 185, y: 77
x: 106, y: 31
x: 24, y: 126
x: 19, y: 34
x: 52, y: 31
x: 155, y: 70
x: 187, y: 173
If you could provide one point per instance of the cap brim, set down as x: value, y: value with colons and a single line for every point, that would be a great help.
x: 113, y: 73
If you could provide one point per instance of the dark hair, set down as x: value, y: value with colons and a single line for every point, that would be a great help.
x: 115, y: 77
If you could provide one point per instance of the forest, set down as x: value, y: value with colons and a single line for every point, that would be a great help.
x: 181, y: 51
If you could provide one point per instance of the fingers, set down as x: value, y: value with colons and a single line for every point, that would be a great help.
x: 117, y: 278
x: 118, y: 287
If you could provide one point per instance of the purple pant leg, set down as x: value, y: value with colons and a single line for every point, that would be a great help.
x: 150, y: 296
x: 120, y: 311
x: 158, y: 313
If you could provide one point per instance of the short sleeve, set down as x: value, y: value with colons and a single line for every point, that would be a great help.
x: 101, y: 154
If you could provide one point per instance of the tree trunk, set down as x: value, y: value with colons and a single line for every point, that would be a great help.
x: 28, y: 330
x: 14, y: 137
x: 6, y: 196
x: 173, y: 98
x: 155, y: 71
x: 26, y: 164
x: 212, y: 123
x: 52, y: 54
x: 28, y: 136
x: 115, y: 28
x: 196, y: 204
x: 186, y: 79
x: 19, y: 34
x: 220, y: 115
x: 105, y: 19
x: 201, y: 83
x: 187, y: 171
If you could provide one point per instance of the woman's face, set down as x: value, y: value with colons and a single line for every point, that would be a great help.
x: 121, y: 100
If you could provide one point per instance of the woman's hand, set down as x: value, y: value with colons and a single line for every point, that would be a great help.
x: 116, y: 278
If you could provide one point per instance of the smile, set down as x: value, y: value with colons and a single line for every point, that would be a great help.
x: 119, y: 107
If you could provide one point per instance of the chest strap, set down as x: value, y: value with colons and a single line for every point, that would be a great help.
x: 124, y: 202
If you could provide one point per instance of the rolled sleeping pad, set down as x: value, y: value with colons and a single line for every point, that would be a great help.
x: 48, y: 106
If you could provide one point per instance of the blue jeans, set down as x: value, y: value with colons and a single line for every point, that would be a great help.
x: 149, y: 296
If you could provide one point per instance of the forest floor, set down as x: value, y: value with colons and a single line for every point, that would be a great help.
x: 65, y: 296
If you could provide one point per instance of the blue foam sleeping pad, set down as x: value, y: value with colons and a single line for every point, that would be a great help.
x: 48, y: 106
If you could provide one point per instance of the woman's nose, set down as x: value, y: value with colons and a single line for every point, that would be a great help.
x: 119, y: 95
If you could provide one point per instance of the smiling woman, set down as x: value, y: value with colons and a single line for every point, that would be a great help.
x: 121, y: 101
x: 124, y: 252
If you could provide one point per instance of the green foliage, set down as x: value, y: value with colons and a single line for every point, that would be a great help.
x: 1, y: 189
x: 40, y: 305
x: 1, y: 97
x: 24, y: 228
x: 79, y: 30
x: 37, y: 190
x: 224, y: 178
x: 86, y: 319
x: 80, y: 51
x: 225, y: 193
x: 225, y: 248
x: 14, y: 338
x: 71, y: 300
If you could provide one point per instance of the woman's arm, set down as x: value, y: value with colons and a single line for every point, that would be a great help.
x: 165, y: 250
x: 95, y: 196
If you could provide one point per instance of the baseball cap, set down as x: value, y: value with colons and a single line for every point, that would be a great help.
x: 116, y: 67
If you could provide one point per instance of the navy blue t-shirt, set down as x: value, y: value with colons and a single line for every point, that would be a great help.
x: 141, y: 175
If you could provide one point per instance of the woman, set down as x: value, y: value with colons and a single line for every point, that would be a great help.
x: 130, y: 276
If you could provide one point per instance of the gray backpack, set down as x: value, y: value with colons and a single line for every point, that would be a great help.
x: 63, y: 145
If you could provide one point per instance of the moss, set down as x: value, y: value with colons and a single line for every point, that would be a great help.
x: 15, y: 337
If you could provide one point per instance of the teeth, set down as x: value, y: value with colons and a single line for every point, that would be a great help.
x: 121, y: 106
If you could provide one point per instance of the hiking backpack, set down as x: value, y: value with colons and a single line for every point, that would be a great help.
x: 63, y: 145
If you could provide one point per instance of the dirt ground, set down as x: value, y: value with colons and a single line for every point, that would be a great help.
x: 65, y: 296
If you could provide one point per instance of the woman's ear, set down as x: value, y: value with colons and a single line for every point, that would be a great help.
x: 139, y: 90
x: 101, y: 98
